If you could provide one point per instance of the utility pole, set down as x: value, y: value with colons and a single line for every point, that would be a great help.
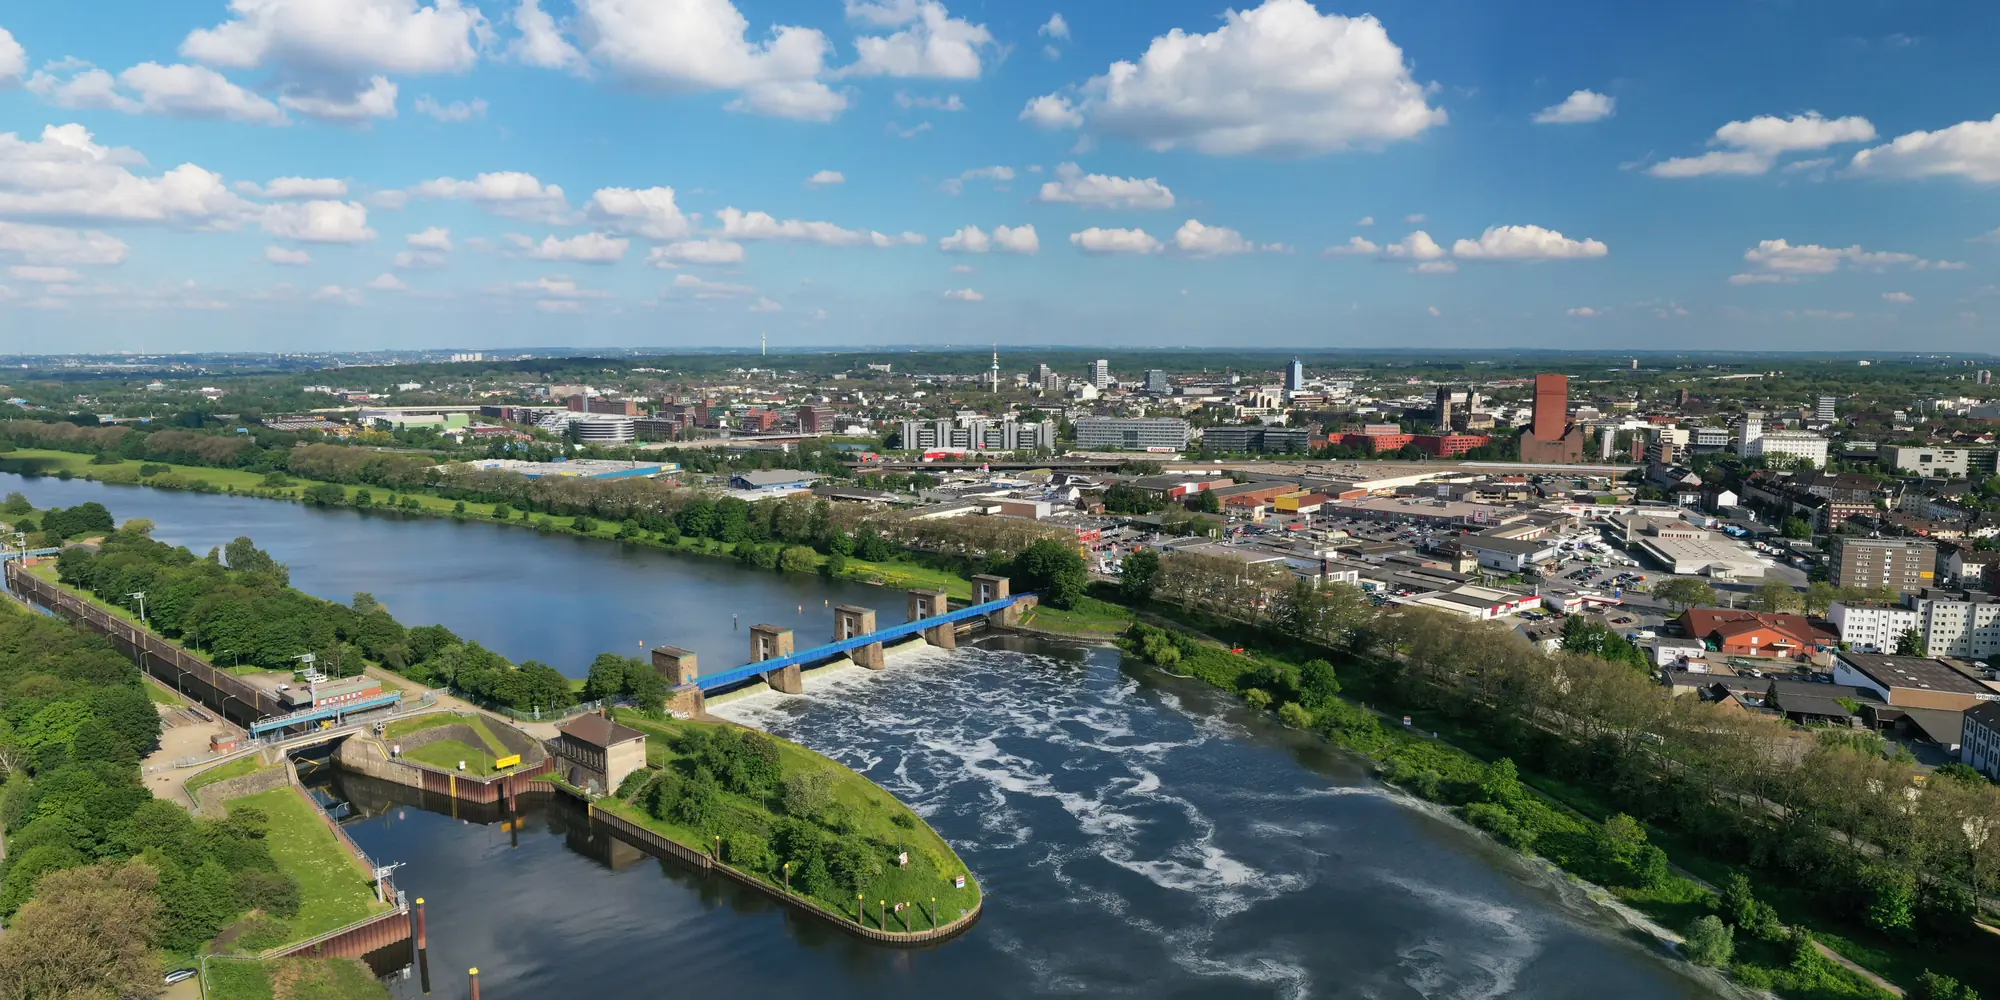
x: 140, y: 596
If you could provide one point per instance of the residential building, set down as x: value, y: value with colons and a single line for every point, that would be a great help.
x: 1979, y: 745
x: 1944, y: 463
x: 1964, y: 565
x: 1752, y: 429
x: 1960, y: 624
x: 1872, y: 627
x: 1551, y: 437
x: 1157, y: 384
x: 1912, y: 681
x: 1824, y: 411
x: 1906, y: 564
x: 1100, y: 373
x: 1449, y: 445
x: 1805, y: 448
x: 1133, y: 433
x: 1708, y: 438
x: 1756, y: 633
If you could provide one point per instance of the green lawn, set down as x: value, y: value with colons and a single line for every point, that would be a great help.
x: 239, y: 768
x: 1091, y: 618
x: 334, y: 891
x: 873, y: 813
x: 303, y: 979
x: 447, y: 754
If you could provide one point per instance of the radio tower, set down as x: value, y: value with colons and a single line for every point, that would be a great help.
x: 994, y: 375
x: 764, y: 343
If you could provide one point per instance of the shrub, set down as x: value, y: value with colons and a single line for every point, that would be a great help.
x: 1256, y: 698
x: 1709, y: 942
x: 1293, y: 714
x: 1503, y: 825
x: 1937, y: 986
x: 806, y: 793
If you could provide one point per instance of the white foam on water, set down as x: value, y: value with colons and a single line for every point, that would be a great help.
x: 1485, y: 966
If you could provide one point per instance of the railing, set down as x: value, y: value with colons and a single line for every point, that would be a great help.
x: 832, y: 649
x: 324, y: 712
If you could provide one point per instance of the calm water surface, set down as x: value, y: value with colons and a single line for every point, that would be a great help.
x: 1138, y: 836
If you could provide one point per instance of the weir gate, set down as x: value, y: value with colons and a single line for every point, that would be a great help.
x: 776, y: 660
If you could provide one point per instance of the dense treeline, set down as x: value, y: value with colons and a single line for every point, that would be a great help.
x: 74, y: 725
x: 237, y: 605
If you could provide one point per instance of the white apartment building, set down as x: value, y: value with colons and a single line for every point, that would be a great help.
x: 1805, y: 447
x: 1966, y: 626
x: 1868, y: 627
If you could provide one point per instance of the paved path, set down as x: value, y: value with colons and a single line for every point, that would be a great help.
x: 1849, y: 965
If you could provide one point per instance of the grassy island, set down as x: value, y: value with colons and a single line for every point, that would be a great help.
x: 766, y: 803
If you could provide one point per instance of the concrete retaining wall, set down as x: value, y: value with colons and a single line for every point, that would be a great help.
x: 209, y: 798
x: 365, y: 755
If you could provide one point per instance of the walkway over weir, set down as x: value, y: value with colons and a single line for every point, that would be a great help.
x: 775, y: 660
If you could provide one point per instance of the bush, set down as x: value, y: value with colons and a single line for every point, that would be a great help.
x: 807, y: 793
x: 1293, y: 714
x: 1503, y: 825
x: 1256, y: 698
x: 107, y: 458
x: 1709, y: 942
x: 1937, y: 986
x: 798, y: 559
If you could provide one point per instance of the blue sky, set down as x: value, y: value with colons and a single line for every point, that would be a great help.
x: 310, y: 174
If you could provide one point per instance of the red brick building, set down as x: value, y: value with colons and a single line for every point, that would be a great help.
x: 1447, y: 445
x: 1756, y: 633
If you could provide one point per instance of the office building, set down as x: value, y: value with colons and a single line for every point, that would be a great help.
x: 1156, y: 383
x: 1133, y: 433
x: 1257, y: 440
x: 1824, y: 412
x: 1040, y: 377
x: 1753, y: 428
x: 816, y: 418
x: 1295, y: 376
x: 600, y: 404
x: 1800, y: 447
x: 1985, y: 376
x: 1100, y: 373
x: 1907, y: 565
x: 1943, y: 463
x: 1550, y: 437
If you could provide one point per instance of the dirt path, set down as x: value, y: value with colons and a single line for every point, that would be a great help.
x: 1849, y: 965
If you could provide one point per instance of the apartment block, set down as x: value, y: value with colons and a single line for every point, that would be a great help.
x: 1906, y: 564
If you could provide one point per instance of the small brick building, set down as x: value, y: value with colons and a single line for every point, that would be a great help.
x: 593, y: 750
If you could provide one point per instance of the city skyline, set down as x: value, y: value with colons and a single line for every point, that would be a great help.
x: 366, y: 174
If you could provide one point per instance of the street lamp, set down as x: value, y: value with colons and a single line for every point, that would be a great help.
x: 140, y: 596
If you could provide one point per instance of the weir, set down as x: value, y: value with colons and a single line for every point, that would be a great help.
x: 855, y: 635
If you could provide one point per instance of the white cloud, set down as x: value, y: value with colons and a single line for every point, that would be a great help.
x: 456, y: 111
x: 740, y: 225
x: 13, y: 59
x: 1526, y: 243
x: 388, y: 283
x: 1355, y: 247
x: 1051, y: 112
x: 1898, y: 297
x: 1282, y: 78
x: 950, y: 102
x: 1054, y: 27
x: 287, y: 256
x: 1774, y: 261
x: 764, y: 305
x: 559, y: 306
x: 1578, y: 108
x: 508, y: 194
x: 931, y: 43
x: 1009, y: 239
x: 999, y: 175
x: 397, y: 36
x: 702, y: 288
x: 377, y: 100
x: 318, y: 222
x: 1584, y: 312
x: 1416, y: 246
x: 696, y: 252
x: 1969, y: 149
x: 964, y: 295
x: 1752, y: 147
x: 1760, y: 279
x: 421, y: 259
x: 1198, y: 240
x: 826, y: 177
x: 554, y: 287
x: 1437, y: 267
x: 1095, y: 240
x: 1433, y: 310
x: 335, y: 293
x: 282, y: 188
x: 649, y: 212
x: 541, y: 42
x: 1073, y: 186
x: 53, y: 245
x: 584, y: 248
x: 692, y: 46
x: 179, y: 91
x: 66, y: 174
x: 434, y: 238
x: 44, y: 275
x: 1366, y: 220
x: 964, y: 269
x: 1415, y: 218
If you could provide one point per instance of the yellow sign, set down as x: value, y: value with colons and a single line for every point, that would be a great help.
x: 507, y: 761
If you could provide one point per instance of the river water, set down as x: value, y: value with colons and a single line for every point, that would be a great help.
x: 1138, y: 835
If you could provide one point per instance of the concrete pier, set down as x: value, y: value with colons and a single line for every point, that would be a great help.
x: 770, y: 642
x: 850, y: 621
x: 930, y: 603
x: 987, y: 587
x: 676, y: 665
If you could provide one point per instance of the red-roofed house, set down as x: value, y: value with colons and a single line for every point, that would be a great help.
x: 1756, y: 633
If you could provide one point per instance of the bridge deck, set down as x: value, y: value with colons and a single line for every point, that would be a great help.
x: 832, y: 649
x: 265, y: 725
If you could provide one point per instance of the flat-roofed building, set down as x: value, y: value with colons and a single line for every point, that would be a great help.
x: 1871, y: 626
x: 1912, y: 681
x: 1979, y: 742
x: 1906, y: 564
x: 1133, y: 433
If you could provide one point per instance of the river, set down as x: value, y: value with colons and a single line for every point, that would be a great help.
x: 1138, y: 835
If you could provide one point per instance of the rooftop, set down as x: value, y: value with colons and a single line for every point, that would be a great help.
x: 598, y: 731
x: 1919, y: 672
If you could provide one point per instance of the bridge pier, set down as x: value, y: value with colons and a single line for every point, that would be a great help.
x: 676, y: 665
x: 926, y: 603
x: 987, y: 587
x: 769, y: 642
x: 850, y: 621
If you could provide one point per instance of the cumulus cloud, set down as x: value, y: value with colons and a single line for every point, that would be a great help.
x: 949, y: 102
x: 1752, y: 147
x: 318, y: 222
x: 1073, y: 186
x: 1578, y: 108
x: 1008, y: 239
x: 1366, y: 220
x: 287, y: 256
x: 1416, y: 246
x: 508, y: 194
x: 1281, y: 78
x: 178, y: 91
x: 421, y: 259
x: 541, y: 42
x: 1898, y: 297
x: 764, y: 305
x: 999, y: 175
x: 388, y: 283
x: 696, y: 252
x: 1198, y: 240
x: 741, y: 225
x: 456, y: 111
x: 337, y: 295
x: 1969, y: 149
x: 434, y: 238
x: 43, y: 275
x: 284, y: 188
x: 66, y: 174
x: 931, y: 43
x: 584, y: 248
x: 1054, y: 27
x: 396, y: 36
x: 826, y: 177
x: 13, y: 59
x: 702, y: 288
x: 377, y: 100
x: 1774, y: 261
x: 964, y: 295
x: 1526, y: 243
x: 695, y: 46
x: 1095, y: 240
x: 1354, y: 247
x: 54, y: 245
x: 650, y: 212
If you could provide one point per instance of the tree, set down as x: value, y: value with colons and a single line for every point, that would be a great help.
x: 1709, y: 942
x: 1775, y: 595
x: 88, y: 935
x: 1938, y: 986
x: 1140, y: 572
x: 1682, y: 593
x: 806, y: 793
x: 607, y: 677
x: 1207, y: 502
x: 1911, y: 643
x: 1056, y: 569
x: 1797, y: 527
